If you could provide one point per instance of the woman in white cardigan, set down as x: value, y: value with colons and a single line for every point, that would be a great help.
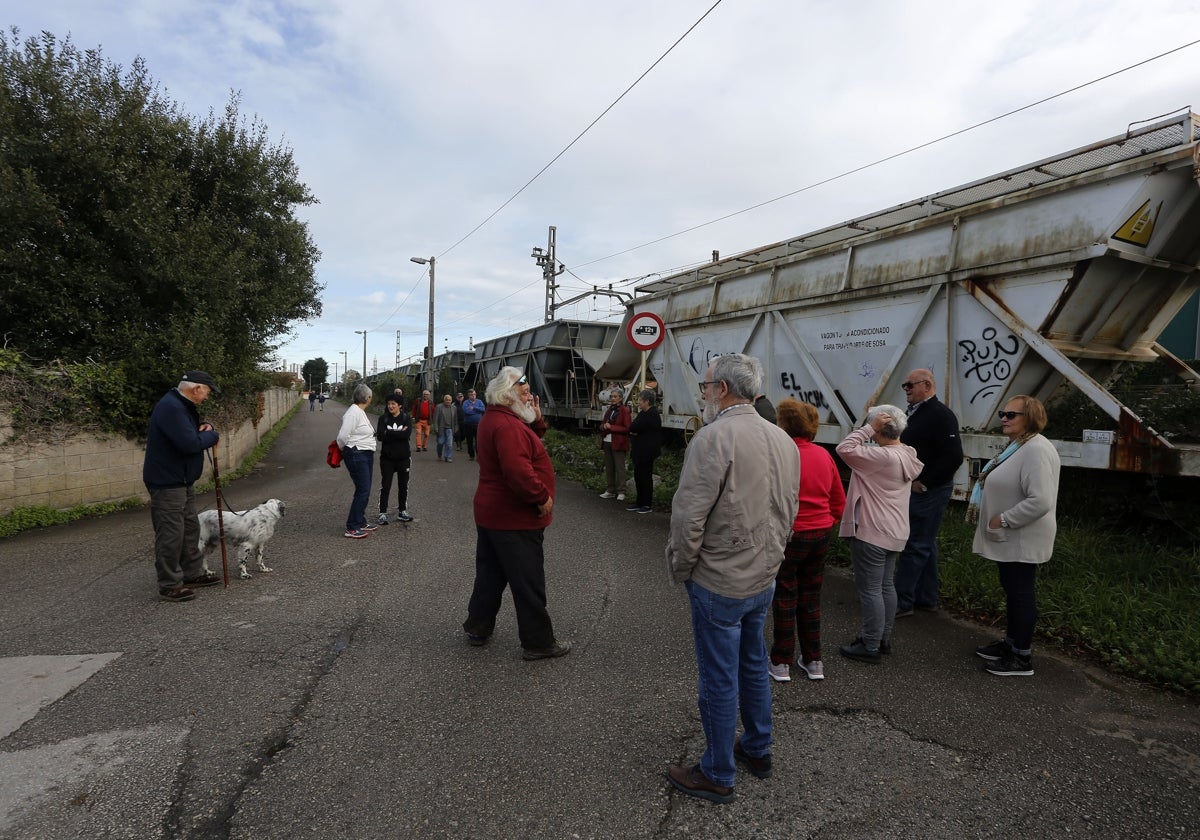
x: 1015, y: 499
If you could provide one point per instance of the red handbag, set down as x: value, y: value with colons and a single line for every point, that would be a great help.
x: 334, y: 458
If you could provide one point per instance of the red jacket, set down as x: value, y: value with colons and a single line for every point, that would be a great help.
x: 619, y: 418
x: 422, y: 410
x: 822, y: 498
x: 515, y: 472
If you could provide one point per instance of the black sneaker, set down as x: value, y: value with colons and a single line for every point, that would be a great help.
x: 995, y: 651
x: 859, y: 652
x: 1013, y: 665
x: 555, y: 650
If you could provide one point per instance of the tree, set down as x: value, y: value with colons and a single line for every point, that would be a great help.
x: 315, y: 373
x: 137, y: 237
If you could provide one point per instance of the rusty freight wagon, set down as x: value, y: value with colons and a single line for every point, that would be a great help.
x: 1048, y: 277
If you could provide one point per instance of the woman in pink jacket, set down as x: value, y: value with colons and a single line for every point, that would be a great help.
x: 876, y: 521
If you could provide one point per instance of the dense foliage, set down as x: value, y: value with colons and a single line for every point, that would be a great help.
x: 135, y: 240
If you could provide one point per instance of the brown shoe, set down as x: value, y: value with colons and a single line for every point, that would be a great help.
x: 759, y: 766
x: 208, y: 579
x: 178, y: 593
x: 693, y: 782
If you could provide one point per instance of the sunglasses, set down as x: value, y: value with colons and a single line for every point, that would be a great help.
x: 522, y: 380
x: 908, y: 386
x: 1009, y: 415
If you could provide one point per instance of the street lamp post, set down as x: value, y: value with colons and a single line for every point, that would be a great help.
x: 429, y: 349
x: 335, y: 378
x: 363, y: 333
x: 345, y: 364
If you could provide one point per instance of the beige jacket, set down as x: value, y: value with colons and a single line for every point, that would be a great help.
x: 1025, y: 489
x: 732, y: 514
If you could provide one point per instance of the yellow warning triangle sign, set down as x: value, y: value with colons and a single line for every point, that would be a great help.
x: 1139, y: 227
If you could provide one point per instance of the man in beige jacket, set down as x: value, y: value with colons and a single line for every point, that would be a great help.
x: 730, y: 520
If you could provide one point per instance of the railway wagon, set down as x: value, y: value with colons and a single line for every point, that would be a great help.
x: 560, y: 359
x: 1050, y: 276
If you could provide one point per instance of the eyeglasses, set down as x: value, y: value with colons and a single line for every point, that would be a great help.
x: 708, y: 382
x: 908, y: 386
x: 1009, y: 415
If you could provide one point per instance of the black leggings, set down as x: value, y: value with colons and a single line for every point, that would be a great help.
x: 1018, y: 582
x: 389, y: 468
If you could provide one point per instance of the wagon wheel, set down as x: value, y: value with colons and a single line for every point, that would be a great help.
x: 690, y: 428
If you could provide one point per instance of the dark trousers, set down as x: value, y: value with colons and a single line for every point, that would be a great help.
x: 917, y: 568
x: 513, y: 559
x: 468, y: 433
x: 643, y: 480
x: 1018, y: 581
x: 390, y: 468
x: 796, y: 607
x: 177, y: 552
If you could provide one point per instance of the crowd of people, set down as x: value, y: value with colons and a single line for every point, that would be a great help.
x: 751, y: 522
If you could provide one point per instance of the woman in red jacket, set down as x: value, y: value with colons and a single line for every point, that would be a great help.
x: 798, y: 582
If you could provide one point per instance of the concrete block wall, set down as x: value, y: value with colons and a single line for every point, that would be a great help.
x: 91, y: 469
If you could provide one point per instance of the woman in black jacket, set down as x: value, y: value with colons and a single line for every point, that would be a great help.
x: 645, y: 443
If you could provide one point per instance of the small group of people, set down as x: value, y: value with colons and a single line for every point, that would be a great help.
x: 753, y: 517
x: 639, y: 438
x: 314, y: 398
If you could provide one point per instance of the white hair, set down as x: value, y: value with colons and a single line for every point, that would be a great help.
x: 896, y: 424
x: 501, y: 390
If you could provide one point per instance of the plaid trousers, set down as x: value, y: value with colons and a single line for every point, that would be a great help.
x: 798, y: 590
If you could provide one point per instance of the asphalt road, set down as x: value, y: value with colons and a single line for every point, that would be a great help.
x: 335, y: 697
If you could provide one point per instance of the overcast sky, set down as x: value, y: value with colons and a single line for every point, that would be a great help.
x: 414, y: 121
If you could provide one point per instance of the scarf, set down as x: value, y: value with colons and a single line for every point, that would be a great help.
x: 977, y: 490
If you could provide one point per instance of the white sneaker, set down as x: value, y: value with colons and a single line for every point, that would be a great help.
x: 405, y: 516
x: 383, y: 519
x: 606, y: 495
x: 814, y: 669
x: 620, y: 497
x: 779, y: 673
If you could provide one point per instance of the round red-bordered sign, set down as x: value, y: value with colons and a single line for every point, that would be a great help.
x: 645, y: 330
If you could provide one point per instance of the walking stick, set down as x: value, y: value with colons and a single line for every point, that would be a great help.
x: 220, y: 519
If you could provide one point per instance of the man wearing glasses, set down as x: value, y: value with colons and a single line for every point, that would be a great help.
x: 933, y: 431
x: 730, y: 521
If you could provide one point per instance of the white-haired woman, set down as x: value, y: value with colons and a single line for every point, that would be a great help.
x: 357, y: 441
x: 876, y: 522
x: 513, y: 501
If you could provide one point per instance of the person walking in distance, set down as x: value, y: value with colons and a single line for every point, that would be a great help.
x: 422, y: 414
x: 445, y: 425
x: 513, y: 504
x: 933, y: 431
x: 730, y: 520
x: 472, y: 413
x: 175, y: 445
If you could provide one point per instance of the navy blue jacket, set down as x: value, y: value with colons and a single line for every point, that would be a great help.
x: 174, y: 444
x: 933, y: 431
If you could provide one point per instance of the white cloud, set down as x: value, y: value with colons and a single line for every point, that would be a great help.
x: 413, y: 121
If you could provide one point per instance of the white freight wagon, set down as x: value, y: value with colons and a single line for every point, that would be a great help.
x: 1058, y: 272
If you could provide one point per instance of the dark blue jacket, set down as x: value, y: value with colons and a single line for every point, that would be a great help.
x: 933, y: 431
x: 174, y: 444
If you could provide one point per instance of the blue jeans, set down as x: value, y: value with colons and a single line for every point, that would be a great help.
x: 358, y: 463
x: 873, y: 570
x: 445, y: 443
x: 731, y: 658
x: 917, y: 568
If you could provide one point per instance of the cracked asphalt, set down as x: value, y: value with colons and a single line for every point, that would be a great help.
x: 335, y: 697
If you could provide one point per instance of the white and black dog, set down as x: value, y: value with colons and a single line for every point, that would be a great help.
x: 245, y: 530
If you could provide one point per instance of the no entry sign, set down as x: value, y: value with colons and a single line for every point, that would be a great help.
x: 645, y: 330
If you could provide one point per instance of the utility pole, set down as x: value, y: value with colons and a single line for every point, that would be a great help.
x: 551, y: 268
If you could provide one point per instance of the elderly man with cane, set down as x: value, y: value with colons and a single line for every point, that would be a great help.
x: 175, y: 445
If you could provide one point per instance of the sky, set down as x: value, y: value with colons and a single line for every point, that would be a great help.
x: 421, y: 127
